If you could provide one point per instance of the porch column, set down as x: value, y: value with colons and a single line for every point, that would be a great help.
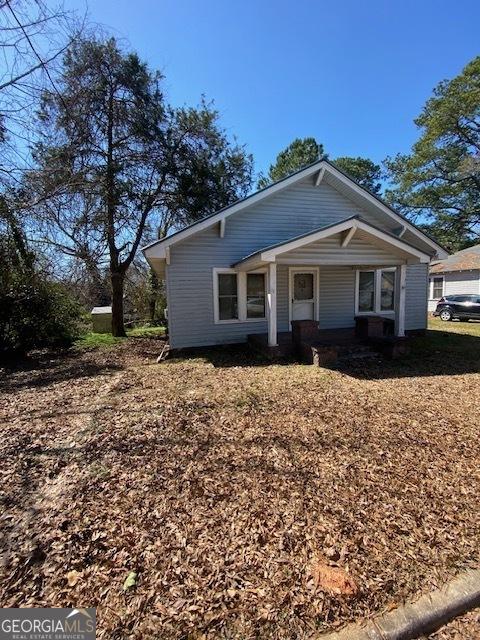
x: 272, y: 304
x: 400, y: 289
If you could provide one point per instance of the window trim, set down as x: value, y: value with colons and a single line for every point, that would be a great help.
x: 241, y: 295
x: 216, y: 306
x: 377, y: 292
x: 432, y: 287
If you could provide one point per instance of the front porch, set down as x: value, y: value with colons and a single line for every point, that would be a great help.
x: 344, y: 275
x: 329, y: 346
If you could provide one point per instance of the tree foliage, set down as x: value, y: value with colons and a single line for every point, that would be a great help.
x: 363, y: 170
x: 117, y: 164
x: 438, y: 183
x: 304, y: 151
x: 299, y: 153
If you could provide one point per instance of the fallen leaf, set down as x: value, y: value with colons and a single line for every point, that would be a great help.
x: 130, y: 581
x: 73, y: 577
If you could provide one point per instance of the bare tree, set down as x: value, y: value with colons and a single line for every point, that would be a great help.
x: 33, y: 38
x: 114, y: 153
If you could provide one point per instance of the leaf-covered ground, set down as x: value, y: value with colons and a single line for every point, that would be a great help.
x: 209, y: 497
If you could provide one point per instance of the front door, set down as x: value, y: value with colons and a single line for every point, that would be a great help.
x: 302, y: 294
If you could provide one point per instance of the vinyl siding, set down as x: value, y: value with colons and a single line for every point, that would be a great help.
x: 293, y: 212
x: 358, y: 252
x: 462, y: 282
x: 337, y: 297
x: 416, y: 297
x: 456, y: 282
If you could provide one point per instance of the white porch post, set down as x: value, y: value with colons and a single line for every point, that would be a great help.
x: 272, y: 304
x: 400, y: 290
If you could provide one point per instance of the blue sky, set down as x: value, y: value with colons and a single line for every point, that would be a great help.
x: 352, y: 74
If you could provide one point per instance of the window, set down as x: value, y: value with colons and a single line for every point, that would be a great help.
x: 376, y: 291
x: 437, y: 288
x: 239, y: 297
x: 366, y: 291
x: 303, y: 286
x: 227, y: 296
x: 255, y: 295
x: 387, y: 292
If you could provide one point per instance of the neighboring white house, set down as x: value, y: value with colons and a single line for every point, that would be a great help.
x: 313, y: 246
x: 457, y: 274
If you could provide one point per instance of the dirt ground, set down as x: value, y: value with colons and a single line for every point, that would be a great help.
x: 242, y: 499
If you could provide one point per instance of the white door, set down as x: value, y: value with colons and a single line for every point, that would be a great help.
x: 302, y: 292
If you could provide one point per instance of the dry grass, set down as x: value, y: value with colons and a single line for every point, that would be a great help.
x: 227, y: 483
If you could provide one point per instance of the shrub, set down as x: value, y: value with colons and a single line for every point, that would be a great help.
x: 34, y: 312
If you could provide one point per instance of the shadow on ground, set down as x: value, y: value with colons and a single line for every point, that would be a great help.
x: 435, y: 354
x: 41, y: 369
x: 234, y: 355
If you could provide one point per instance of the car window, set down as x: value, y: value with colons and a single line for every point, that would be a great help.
x: 464, y: 298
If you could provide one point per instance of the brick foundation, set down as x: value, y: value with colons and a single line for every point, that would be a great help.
x: 304, y: 331
x: 321, y: 356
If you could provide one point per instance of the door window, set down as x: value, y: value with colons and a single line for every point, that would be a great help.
x: 303, y: 286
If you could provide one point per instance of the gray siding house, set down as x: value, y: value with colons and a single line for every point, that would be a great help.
x: 313, y: 246
x: 457, y: 274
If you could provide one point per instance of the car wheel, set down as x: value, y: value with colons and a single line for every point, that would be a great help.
x: 446, y: 315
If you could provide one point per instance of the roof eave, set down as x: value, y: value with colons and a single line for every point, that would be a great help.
x: 303, y: 173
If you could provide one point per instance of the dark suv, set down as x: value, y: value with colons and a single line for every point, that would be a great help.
x: 463, y: 307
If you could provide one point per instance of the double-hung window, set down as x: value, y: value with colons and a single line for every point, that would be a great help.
x: 227, y: 296
x: 366, y: 292
x: 387, y: 290
x: 437, y: 287
x: 239, y: 297
x: 375, y: 291
x: 255, y: 295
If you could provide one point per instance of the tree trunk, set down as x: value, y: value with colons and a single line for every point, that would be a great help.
x: 153, y: 295
x: 118, y: 328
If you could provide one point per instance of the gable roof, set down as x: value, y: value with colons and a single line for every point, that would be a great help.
x: 157, y: 249
x: 463, y: 260
x: 353, y: 222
